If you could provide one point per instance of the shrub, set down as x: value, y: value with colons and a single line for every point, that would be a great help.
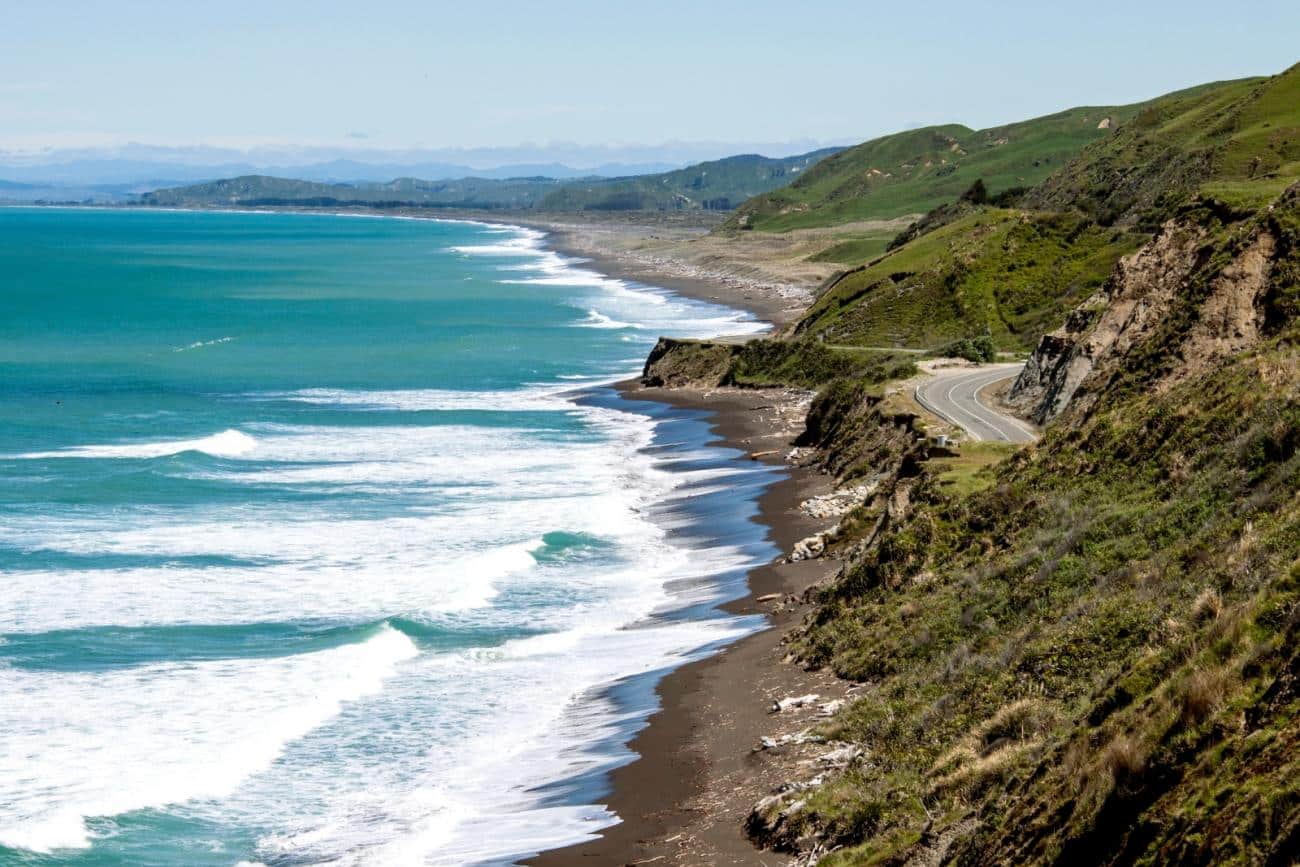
x: 980, y: 349
x: 976, y: 193
x: 1202, y: 694
x: 1124, y: 758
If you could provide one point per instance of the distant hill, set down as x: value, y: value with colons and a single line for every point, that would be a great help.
x: 718, y: 185
x: 715, y: 185
x: 911, y: 172
x: 263, y: 190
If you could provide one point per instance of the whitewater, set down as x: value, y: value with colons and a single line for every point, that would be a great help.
x: 325, y: 540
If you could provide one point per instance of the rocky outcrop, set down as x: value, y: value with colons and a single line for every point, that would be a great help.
x: 1203, y: 296
x: 1123, y: 312
x: 683, y: 363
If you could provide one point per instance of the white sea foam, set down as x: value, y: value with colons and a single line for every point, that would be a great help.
x: 227, y: 444
x: 596, y: 319
x: 199, y: 344
x: 540, y: 397
x: 77, y: 745
x: 628, y: 304
x: 494, y: 723
x: 448, y: 799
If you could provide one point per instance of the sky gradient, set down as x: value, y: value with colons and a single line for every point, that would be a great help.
x: 397, y: 74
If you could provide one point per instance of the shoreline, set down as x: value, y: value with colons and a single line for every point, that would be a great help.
x: 576, y: 241
x: 776, y: 303
x: 684, y: 798
x: 694, y: 774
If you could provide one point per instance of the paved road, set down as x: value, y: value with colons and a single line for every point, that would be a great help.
x: 954, y: 396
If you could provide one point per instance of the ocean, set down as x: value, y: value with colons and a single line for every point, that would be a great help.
x: 324, y: 538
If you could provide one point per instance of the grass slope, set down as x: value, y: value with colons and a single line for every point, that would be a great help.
x: 1236, y: 141
x: 912, y: 172
x: 1006, y: 273
x: 1091, y: 656
x: 969, y: 270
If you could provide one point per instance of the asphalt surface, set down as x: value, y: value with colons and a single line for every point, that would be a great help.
x: 954, y: 397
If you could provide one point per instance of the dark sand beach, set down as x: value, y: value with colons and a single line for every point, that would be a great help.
x: 685, y: 798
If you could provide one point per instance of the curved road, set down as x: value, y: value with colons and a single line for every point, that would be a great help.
x: 954, y: 397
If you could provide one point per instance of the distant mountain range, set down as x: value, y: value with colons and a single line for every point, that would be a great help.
x: 113, y: 173
x: 715, y: 185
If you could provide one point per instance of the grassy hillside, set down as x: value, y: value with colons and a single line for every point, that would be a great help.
x: 1238, y: 142
x: 1087, y: 654
x: 717, y: 185
x: 968, y: 268
x: 1006, y: 273
x: 912, y: 172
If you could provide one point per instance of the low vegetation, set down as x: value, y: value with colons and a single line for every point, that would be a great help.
x: 1087, y: 651
x: 914, y: 171
x: 1008, y: 274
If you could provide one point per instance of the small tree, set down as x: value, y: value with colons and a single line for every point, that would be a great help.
x: 978, y: 194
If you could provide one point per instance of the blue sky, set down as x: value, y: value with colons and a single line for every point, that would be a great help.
x: 397, y: 74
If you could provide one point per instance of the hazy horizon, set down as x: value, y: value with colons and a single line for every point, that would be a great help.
x: 578, y: 83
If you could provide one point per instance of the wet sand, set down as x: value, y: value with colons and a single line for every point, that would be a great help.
x: 684, y: 800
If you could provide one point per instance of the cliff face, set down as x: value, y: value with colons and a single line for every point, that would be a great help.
x: 687, y: 363
x: 1204, y: 299
x: 1125, y: 311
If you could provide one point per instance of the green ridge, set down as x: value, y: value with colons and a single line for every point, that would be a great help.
x: 912, y: 172
x: 1006, y: 273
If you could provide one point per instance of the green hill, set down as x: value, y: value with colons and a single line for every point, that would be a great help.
x: 968, y: 269
x: 912, y: 172
x: 1237, y: 142
x: 719, y: 185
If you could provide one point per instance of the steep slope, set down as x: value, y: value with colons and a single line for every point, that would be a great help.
x: 1093, y: 659
x: 1238, y: 142
x: 914, y: 171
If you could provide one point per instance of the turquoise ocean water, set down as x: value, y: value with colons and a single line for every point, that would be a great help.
x: 310, y: 552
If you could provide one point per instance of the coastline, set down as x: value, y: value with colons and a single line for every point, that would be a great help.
x: 684, y: 798
x: 611, y: 247
x: 607, y: 247
x: 696, y: 773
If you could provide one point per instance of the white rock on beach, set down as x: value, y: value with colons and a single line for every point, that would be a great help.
x: 794, y: 702
x: 831, y: 708
x: 841, y: 757
x: 838, y: 503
